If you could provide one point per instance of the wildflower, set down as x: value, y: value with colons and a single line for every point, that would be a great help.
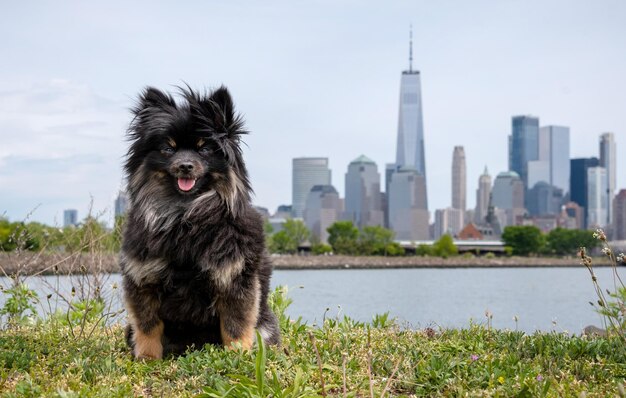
x: 539, y: 378
x: 620, y: 258
x: 474, y: 357
x: 501, y: 380
x: 607, y: 251
x: 599, y: 234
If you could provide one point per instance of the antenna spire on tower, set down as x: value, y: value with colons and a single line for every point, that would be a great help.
x: 411, y: 48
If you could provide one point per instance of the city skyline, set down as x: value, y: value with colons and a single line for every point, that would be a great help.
x: 64, y: 95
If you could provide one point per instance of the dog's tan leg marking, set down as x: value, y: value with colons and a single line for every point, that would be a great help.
x: 247, y: 334
x: 246, y: 340
x: 148, y: 345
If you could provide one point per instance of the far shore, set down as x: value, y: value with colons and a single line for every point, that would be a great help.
x: 45, y: 263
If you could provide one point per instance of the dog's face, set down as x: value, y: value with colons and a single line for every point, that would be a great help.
x: 187, y: 148
x: 187, y: 162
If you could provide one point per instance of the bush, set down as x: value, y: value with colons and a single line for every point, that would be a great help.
x: 523, y: 239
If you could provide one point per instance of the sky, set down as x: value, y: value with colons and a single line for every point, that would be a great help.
x: 318, y: 78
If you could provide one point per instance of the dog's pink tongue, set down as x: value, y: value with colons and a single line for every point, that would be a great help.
x: 185, y: 184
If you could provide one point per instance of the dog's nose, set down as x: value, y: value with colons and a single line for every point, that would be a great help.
x: 185, y: 167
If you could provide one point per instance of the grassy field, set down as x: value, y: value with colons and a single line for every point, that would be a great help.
x: 72, y: 356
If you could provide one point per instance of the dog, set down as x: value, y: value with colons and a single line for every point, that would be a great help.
x: 194, y: 265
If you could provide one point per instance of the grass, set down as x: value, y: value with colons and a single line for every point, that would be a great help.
x: 340, y: 358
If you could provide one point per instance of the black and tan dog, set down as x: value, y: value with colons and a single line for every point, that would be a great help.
x: 193, y: 259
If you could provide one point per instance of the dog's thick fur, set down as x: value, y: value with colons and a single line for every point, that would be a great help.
x: 193, y: 260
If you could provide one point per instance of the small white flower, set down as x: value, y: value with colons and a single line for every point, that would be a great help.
x: 620, y: 258
x: 607, y: 251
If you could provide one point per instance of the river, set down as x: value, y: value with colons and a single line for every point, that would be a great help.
x: 542, y: 299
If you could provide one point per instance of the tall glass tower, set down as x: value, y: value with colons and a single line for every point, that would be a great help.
x: 306, y: 173
x: 410, y: 144
x: 523, y: 145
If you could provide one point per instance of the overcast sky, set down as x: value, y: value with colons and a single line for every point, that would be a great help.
x: 312, y: 79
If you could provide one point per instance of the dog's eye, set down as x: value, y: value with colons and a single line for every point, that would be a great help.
x: 204, y: 151
x: 168, y: 150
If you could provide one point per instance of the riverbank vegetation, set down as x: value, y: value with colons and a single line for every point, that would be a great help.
x: 86, y: 356
x: 344, y: 238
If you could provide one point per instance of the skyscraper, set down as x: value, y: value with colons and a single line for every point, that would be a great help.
x: 523, y: 145
x: 552, y: 165
x: 459, y: 180
x: 407, y: 204
x: 306, y: 173
x: 597, y: 197
x: 619, y: 216
x: 363, y: 198
x: 410, y: 143
x: 483, y: 194
x: 121, y: 204
x: 70, y: 217
x: 508, y: 195
x: 323, y: 208
x: 608, y: 161
x: 578, y: 183
x: 408, y: 216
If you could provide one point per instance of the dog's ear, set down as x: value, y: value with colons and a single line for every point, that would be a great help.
x: 218, y: 112
x: 224, y: 106
x: 155, y: 99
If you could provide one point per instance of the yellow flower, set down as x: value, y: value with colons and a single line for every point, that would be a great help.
x: 501, y: 380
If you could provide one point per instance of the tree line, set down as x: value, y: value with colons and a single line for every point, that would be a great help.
x: 343, y: 238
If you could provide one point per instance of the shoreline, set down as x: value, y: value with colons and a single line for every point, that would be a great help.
x: 28, y: 263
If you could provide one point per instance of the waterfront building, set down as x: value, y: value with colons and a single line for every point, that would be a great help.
x: 619, y: 215
x: 448, y: 221
x: 608, y: 160
x: 363, y: 202
x: 554, y: 147
x: 508, y: 195
x: 306, y: 173
x: 70, y: 218
x: 483, y: 193
x: 544, y: 199
x: 579, y: 184
x: 459, y: 180
x: 121, y: 204
x: 596, y: 197
x: 323, y: 208
x: 523, y: 145
x: 573, y: 216
x: 408, y: 213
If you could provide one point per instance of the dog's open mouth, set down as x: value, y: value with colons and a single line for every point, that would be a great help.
x: 186, y: 184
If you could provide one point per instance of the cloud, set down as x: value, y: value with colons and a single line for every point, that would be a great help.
x: 61, y: 143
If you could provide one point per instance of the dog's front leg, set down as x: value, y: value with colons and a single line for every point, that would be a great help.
x: 238, y: 308
x: 142, y: 304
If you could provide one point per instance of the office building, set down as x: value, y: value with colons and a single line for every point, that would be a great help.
x: 70, y: 218
x: 363, y: 202
x: 448, y: 221
x: 544, y: 199
x: 608, y: 160
x: 573, y: 216
x: 596, y: 197
x: 554, y: 147
x: 323, y: 208
x: 306, y: 173
x: 121, y: 204
x: 508, y: 195
x: 459, y: 180
x: 523, y: 145
x: 578, y: 183
x: 408, y: 214
x: 483, y: 193
x: 410, y: 139
x: 619, y: 216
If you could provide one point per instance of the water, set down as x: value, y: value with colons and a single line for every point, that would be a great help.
x: 541, y: 298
